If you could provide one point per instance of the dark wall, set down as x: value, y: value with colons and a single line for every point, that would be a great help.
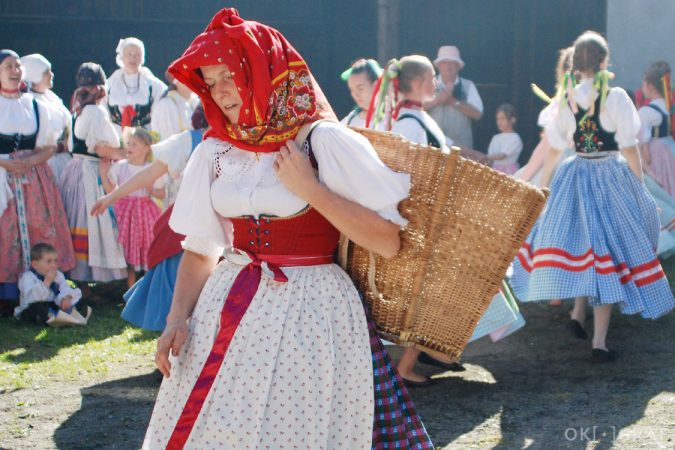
x: 506, y: 44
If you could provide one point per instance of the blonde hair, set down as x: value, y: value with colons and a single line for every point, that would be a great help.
x: 412, y: 67
x: 145, y: 136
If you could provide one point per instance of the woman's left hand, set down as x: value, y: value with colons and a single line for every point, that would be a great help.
x: 295, y: 171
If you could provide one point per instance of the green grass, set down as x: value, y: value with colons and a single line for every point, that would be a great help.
x: 33, y: 355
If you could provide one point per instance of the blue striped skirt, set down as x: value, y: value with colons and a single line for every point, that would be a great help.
x: 597, y: 238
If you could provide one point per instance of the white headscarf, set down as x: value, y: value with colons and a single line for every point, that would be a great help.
x: 35, y: 66
x: 124, y: 43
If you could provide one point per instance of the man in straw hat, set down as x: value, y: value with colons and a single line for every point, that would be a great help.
x: 456, y: 102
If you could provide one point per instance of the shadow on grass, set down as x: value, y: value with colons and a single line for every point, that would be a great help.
x: 113, y: 415
x: 40, y: 342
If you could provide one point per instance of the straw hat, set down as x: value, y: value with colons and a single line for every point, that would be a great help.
x: 449, y: 53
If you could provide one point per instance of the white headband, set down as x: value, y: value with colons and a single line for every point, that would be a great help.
x: 124, y: 43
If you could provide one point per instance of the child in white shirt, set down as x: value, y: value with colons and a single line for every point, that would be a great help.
x: 506, y: 146
x: 44, y: 292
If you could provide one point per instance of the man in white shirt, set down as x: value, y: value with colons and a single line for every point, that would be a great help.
x: 457, y: 101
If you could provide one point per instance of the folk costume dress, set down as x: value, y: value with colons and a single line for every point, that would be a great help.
x: 100, y: 257
x: 656, y: 132
x: 597, y: 237
x: 31, y: 210
x: 136, y: 215
x: 61, y: 121
x: 131, y: 97
x: 279, y: 352
x: 149, y: 300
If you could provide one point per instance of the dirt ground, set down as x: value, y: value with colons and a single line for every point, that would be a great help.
x: 536, y: 389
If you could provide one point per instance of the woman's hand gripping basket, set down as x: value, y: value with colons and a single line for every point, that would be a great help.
x: 467, y: 223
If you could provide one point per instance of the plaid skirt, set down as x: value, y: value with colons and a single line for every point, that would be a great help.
x: 597, y: 238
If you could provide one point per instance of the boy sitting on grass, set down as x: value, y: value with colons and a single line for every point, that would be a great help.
x: 45, y: 296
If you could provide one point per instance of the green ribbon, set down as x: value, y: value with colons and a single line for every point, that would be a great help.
x: 374, y: 65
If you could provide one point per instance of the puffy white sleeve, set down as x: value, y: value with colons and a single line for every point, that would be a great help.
x: 174, y: 152
x: 546, y: 114
x: 350, y: 167
x: 193, y: 214
x: 164, y: 118
x: 65, y: 290
x: 561, y: 127
x: 622, y: 112
x: 411, y: 130
x: 649, y: 118
x: 97, y: 128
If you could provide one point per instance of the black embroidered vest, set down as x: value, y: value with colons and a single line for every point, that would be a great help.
x: 589, y: 136
x: 9, y: 143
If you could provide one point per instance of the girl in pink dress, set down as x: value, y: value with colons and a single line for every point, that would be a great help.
x: 137, y: 212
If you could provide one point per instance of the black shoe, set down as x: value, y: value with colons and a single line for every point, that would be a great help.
x: 577, y: 330
x: 411, y: 383
x: 453, y: 366
x: 602, y: 356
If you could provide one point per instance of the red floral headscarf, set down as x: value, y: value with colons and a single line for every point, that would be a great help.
x: 278, y: 92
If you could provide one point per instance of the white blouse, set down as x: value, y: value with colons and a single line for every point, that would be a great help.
x: 222, y: 181
x: 651, y: 118
x: 172, y: 114
x: 118, y: 92
x: 414, y: 132
x: 508, y: 144
x: 174, y: 152
x: 32, y: 290
x: 17, y: 116
x: 547, y: 114
x: 93, y: 126
x: 619, y: 115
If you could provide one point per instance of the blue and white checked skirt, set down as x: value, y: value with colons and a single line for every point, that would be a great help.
x: 597, y: 238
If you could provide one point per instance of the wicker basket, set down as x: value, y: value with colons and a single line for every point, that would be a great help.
x: 466, y: 224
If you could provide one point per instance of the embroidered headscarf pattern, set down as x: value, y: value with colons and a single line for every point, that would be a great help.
x: 279, y: 94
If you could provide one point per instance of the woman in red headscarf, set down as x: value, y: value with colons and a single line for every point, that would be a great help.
x: 270, y: 348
